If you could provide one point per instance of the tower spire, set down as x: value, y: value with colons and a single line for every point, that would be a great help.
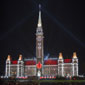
x: 39, y: 19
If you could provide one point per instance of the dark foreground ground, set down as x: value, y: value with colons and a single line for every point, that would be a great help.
x: 42, y: 82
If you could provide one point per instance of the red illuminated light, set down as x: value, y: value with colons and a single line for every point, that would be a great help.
x: 67, y: 60
x: 31, y: 62
x: 39, y: 65
x: 14, y: 62
x: 50, y: 62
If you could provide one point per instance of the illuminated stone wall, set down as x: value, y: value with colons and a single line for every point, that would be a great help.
x: 68, y: 69
x: 13, y: 70
x: 30, y: 70
x: 50, y: 70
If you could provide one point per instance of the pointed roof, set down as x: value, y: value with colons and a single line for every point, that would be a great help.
x: 20, y: 57
x: 74, y: 55
x: 9, y: 57
x: 39, y: 19
x: 60, y: 56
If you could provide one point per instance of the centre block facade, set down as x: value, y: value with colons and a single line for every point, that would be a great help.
x: 40, y: 66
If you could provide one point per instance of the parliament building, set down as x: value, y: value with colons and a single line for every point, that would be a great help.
x: 40, y: 66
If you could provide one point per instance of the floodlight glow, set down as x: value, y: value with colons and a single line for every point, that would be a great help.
x: 39, y: 73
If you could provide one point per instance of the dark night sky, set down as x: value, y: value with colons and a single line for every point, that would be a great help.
x: 63, y: 24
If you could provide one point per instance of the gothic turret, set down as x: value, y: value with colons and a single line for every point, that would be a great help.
x: 8, y: 58
x: 8, y: 63
x: 74, y: 55
x: 75, y: 64
x: 60, y: 56
x: 60, y: 65
x: 20, y: 57
x: 20, y: 67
